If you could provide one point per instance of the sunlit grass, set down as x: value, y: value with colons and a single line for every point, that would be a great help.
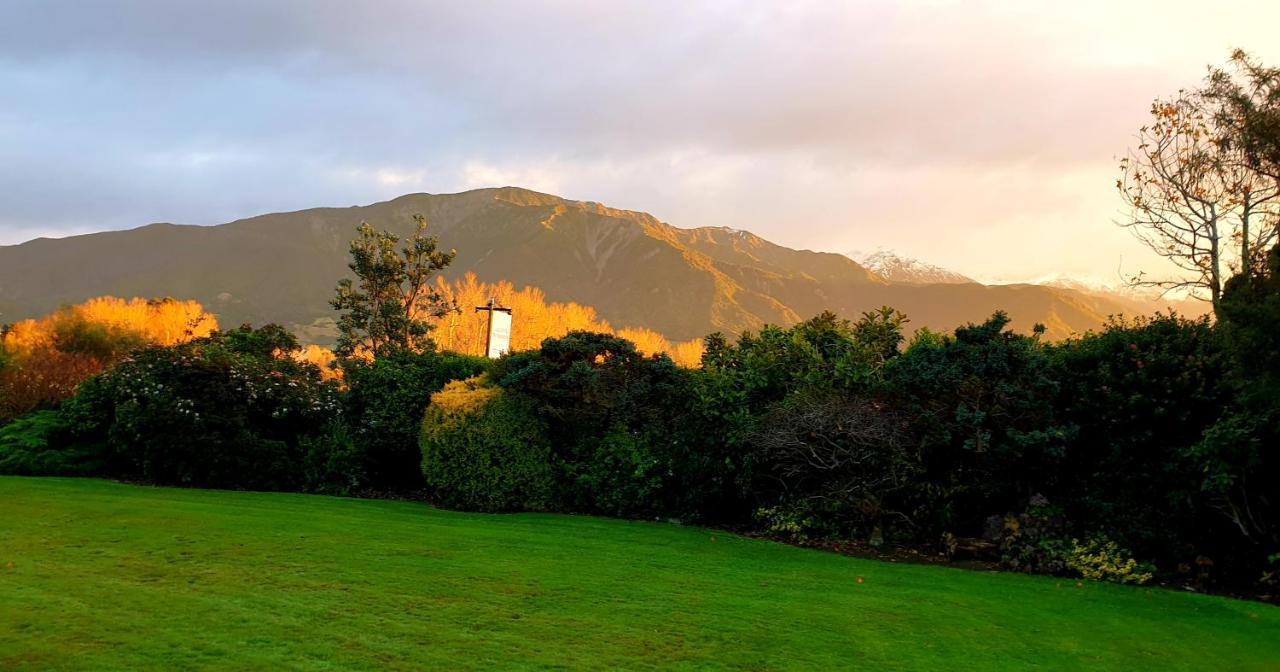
x: 96, y: 575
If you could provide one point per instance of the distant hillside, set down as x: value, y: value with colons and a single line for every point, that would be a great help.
x: 632, y: 268
x: 1117, y: 297
x: 1135, y: 300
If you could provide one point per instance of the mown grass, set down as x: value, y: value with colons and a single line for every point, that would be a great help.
x: 97, y: 575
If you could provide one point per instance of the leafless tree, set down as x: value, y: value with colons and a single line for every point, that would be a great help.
x: 1195, y: 199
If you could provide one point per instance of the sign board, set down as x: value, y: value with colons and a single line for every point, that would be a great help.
x: 499, y: 333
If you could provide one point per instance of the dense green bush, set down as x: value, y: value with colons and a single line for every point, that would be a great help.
x: 38, y: 445
x: 383, y: 406
x: 1134, y: 398
x: 757, y: 402
x: 1239, y: 457
x: 1158, y: 436
x: 332, y: 463
x: 484, y: 450
x: 613, y: 417
x: 625, y: 474
x: 981, y: 405
x: 228, y: 410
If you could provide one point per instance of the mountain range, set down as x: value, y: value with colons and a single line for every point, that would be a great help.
x: 1132, y: 300
x: 633, y: 268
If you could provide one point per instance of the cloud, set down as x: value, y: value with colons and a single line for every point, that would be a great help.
x: 981, y: 134
x: 540, y: 176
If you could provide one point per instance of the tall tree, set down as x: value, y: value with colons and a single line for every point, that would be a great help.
x: 1195, y: 195
x: 1245, y: 97
x: 391, y: 302
x: 1246, y: 94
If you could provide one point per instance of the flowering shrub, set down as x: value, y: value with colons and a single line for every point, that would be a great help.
x: 42, y: 361
x: 227, y: 410
x: 1103, y: 560
x: 787, y: 522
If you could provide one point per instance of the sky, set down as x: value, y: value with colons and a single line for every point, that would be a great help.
x: 981, y: 136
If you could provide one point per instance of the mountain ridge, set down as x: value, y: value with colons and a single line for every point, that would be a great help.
x: 632, y: 267
x: 894, y: 267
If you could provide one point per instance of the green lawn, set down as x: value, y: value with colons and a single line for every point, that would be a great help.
x: 96, y: 575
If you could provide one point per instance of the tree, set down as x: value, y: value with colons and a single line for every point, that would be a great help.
x: 389, y: 305
x: 1247, y: 99
x: 1193, y: 195
x: 1238, y: 456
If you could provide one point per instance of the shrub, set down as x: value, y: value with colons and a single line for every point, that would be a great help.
x: 1101, y: 559
x: 793, y: 522
x: 331, y: 462
x: 981, y: 404
x: 614, y: 418
x: 846, y: 455
x: 35, y: 445
x: 41, y: 380
x: 622, y: 475
x: 221, y: 411
x: 384, y: 403
x: 484, y: 450
x: 1133, y: 399
x: 1035, y: 540
x: 825, y: 352
x: 44, y: 360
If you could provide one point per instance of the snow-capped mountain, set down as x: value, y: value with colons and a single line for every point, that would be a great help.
x: 896, y: 268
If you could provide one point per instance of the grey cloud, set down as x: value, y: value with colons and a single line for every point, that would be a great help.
x: 119, y: 113
x: 541, y: 77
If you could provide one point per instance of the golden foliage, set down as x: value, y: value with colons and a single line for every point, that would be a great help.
x: 323, y: 358
x: 159, y: 321
x: 27, y: 336
x: 647, y: 341
x: 154, y: 321
x: 535, y: 319
x: 52, y: 355
x: 689, y: 353
x: 464, y: 397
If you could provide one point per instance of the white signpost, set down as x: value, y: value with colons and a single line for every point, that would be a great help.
x: 498, y: 340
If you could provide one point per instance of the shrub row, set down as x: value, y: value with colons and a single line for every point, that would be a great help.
x: 1135, y: 447
x: 1152, y: 441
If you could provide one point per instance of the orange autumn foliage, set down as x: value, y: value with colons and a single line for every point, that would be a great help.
x: 535, y: 319
x: 47, y: 358
x: 107, y: 318
x: 323, y: 358
x: 688, y: 353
